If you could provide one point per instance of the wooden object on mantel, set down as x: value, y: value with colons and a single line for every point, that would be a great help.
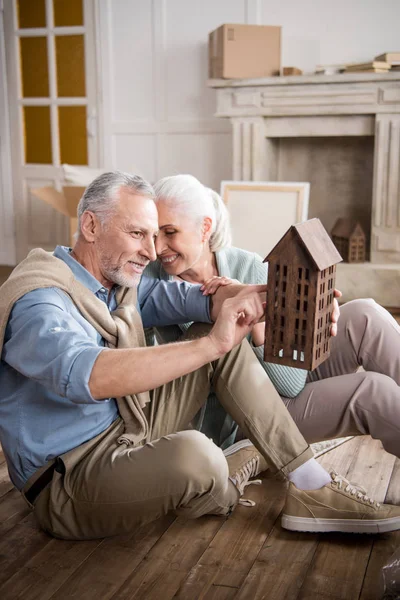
x: 291, y: 71
x: 350, y: 240
x: 300, y: 292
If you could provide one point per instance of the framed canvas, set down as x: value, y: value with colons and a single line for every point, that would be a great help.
x: 262, y: 211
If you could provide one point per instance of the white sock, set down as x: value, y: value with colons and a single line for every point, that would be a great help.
x: 310, y: 476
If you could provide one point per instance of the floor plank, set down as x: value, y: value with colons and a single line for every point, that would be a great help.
x: 5, y: 483
x: 169, y: 562
x: 12, y: 510
x: 228, y: 559
x: 42, y: 575
x: 111, y: 563
x: 19, y: 545
x: 384, y: 546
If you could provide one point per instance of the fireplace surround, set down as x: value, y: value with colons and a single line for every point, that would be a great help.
x: 341, y: 133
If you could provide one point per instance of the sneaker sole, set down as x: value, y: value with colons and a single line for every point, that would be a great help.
x: 340, y: 525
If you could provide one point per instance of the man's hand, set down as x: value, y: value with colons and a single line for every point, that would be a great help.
x: 231, y: 291
x: 335, y: 312
x: 236, y: 319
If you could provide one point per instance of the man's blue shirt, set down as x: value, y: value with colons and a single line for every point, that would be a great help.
x: 46, y: 407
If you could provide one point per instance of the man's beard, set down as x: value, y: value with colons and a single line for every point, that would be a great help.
x: 116, y: 274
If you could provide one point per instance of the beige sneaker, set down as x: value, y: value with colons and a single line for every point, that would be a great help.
x: 338, y: 506
x: 244, y: 462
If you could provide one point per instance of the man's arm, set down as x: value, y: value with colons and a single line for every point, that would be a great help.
x: 45, y: 343
x: 130, y: 371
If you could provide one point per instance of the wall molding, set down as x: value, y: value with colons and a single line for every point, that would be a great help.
x: 145, y: 127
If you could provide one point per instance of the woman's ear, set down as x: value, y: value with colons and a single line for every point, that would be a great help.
x: 207, y: 226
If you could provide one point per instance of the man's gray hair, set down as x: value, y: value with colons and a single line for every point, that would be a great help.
x: 186, y: 194
x: 101, y: 196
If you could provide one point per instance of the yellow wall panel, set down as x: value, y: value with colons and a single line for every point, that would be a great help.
x: 73, y: 140
x: 31, y: 13
x: 68, y: 13
x: 70, y: 59
x: 34, y: 69
x: 37, y: 134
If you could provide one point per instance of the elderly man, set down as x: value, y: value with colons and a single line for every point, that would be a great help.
x: 94, y: 424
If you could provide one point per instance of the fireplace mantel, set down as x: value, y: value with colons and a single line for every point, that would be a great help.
x: 343, y: 94
x: 262, y: 110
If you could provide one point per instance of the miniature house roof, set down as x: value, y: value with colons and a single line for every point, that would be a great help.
x: 346, y: 227
x: 314, y: 238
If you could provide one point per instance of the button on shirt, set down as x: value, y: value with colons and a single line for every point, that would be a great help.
x: 46, y: 407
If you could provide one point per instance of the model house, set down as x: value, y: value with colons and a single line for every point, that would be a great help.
x: 350, y: 240
x: 302, y: 271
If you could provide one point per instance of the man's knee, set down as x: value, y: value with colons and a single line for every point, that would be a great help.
x: 198, y: 459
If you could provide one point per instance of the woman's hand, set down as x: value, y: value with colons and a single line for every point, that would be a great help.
x: 211, y: 285
x: 258, y: 334
x: 335, y: 312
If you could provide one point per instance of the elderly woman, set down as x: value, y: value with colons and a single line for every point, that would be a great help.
x: 337, y: 399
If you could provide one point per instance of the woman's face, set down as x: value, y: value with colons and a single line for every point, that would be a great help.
x: 179, y: 244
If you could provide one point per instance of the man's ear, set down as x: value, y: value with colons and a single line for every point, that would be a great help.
x: 89, y: 225
x: 207, y: 226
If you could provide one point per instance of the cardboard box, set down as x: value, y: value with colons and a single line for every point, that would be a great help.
x: 244, y: 51
x: 65, y: 202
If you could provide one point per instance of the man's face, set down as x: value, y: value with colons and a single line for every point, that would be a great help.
x: 125, y: 244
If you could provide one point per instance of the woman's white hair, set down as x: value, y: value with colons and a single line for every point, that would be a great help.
x: 188, y: 195
x: 101, y: 196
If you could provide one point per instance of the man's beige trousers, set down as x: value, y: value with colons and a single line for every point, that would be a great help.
x: 338, y: 401
x: 108, y: 489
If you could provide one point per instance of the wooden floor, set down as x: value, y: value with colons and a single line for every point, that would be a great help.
x: 246, y: 557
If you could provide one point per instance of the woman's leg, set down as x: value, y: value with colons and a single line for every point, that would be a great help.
x: 368, y: 337
x: 338, y: 401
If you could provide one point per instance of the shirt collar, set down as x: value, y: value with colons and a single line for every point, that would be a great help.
x: 80, y: 273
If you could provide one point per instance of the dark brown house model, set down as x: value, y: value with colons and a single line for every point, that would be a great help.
x: 301, y: 281
x: 350, y: 240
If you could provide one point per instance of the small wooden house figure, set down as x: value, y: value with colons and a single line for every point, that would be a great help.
x: 300, y: 292
x: 350, y: 240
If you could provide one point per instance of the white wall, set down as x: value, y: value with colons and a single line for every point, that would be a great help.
x: 7, y: 242
x: 157, y: 116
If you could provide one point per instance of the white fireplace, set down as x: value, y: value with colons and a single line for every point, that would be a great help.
x: 341, y: 133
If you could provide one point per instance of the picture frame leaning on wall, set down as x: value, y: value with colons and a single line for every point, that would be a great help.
x: 262, y: 211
